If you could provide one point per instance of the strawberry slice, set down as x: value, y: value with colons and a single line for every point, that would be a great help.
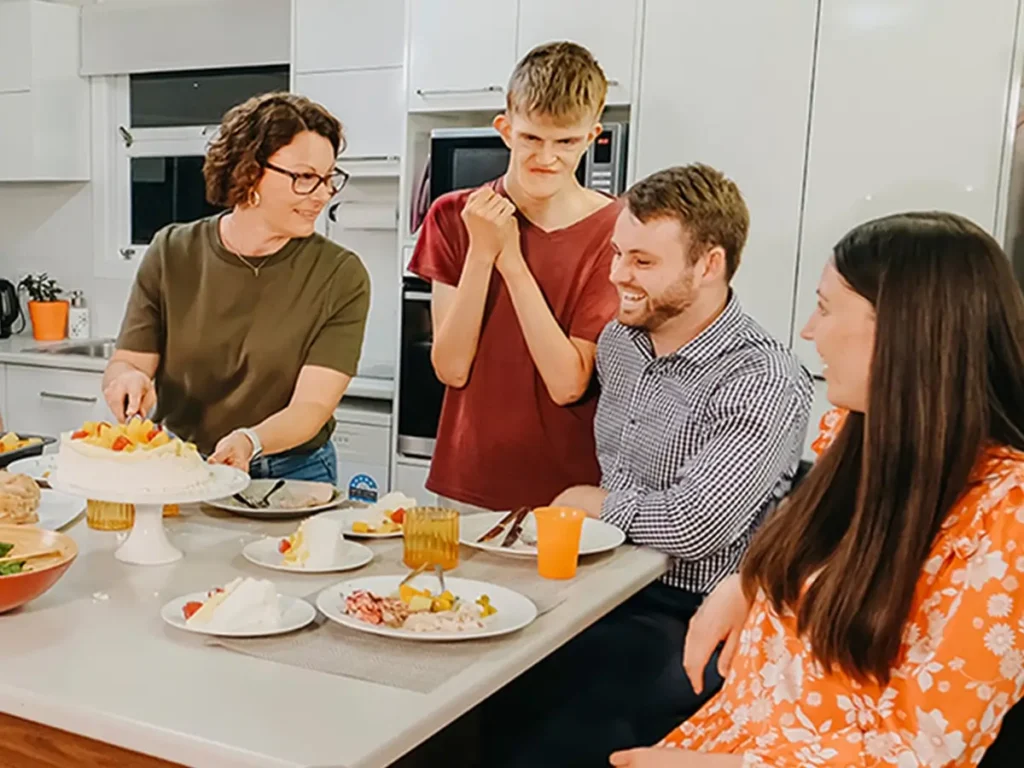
x: 283, y: 546
x: 398, y: 516
x: 190, y: 608
x: 153, y: 433
x: 120, y: 443
x: 79, y: 435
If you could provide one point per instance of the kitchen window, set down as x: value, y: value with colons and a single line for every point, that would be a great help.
x: 151, y: 132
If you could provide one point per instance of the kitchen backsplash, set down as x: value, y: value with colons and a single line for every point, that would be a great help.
x: 49, y: 228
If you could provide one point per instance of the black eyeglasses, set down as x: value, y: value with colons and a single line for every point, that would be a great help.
x: 308, y: 183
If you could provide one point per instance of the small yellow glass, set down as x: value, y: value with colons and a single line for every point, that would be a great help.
x: 431, y: 537
x: 109, y: 516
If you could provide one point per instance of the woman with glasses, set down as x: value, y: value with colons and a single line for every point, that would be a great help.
x: 244, y: 329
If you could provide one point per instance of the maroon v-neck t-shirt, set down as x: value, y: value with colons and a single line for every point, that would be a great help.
x: 502, y: 442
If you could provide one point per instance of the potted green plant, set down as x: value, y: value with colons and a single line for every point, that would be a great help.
x: 49, y: 313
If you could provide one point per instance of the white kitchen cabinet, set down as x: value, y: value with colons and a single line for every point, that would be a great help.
x: 607, y: 28
x: 362, y: 439
x: 44, y: 103
x: 749, y: 120
x: 49, y: 401
x: 348, y: 34
x: 370, y: 105
x: 901, y: 122
x: 461, y: 53
x: 411, y: 479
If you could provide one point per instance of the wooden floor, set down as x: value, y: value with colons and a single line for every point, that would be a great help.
x: 29, y: 745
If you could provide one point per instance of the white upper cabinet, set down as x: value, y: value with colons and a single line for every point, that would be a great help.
x: 742, y: 108
x: 15, y: 47
x: 44, y: 103
x: 910, y: 111
x: 461, y: 53
x: 606, y: 27
x: 335, y: 35
x: 370, y: 105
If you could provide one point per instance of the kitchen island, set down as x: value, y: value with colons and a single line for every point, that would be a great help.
x: 93, y: 657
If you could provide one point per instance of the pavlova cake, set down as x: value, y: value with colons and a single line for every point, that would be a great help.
x: 137, y: 456
x: 316, y: 544
x: 241, y: 604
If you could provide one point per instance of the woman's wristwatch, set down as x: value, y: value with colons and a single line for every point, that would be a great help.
x: 257, y: 446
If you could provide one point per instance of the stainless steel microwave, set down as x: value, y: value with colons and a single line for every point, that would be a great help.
x: 468, y: 157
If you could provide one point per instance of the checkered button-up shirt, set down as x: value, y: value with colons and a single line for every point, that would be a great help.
x: 696, y: 447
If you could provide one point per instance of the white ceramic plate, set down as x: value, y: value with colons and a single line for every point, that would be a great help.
x: 292, y: 489
x: 515, y: 611
x: 596, y: 537
x: 265, y: 553
x: 349, y: 516
x: 36, y: 467
x: 57, y: 509
x: 295, y: 614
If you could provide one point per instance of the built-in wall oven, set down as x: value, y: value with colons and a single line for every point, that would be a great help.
x: 420, y: 392
x: 461, y: 158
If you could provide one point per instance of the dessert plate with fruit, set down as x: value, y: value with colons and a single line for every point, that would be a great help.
x: 381, y: 520
x: 316, y: 546
x: 422, y: 610
x: 244, y: 607
x: 281, y: 498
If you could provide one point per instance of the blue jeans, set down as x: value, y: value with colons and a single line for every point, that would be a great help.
x: 320, y: 466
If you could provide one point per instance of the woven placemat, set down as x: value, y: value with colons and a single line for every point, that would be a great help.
x: 416, y: 666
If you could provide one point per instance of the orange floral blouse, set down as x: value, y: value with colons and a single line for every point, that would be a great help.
x: 962, y: 664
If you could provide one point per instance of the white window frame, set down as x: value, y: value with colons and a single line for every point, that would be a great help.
x: 115, y: 254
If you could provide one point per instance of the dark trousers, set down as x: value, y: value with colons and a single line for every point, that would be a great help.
x: 617, y: 685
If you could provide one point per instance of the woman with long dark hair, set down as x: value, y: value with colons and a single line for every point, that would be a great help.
x: 884, y: 601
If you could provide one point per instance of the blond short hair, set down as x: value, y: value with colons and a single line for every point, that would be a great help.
x: 560, y: 80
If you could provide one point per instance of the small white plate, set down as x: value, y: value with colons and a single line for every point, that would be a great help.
x: 57, y: 509
x: 596, y: 537
x: 295, y: 614
x: 291, y: 489
x: 515, y: 611
x: 265, y: 553
x: 36, y: 467
x: 349, y: 516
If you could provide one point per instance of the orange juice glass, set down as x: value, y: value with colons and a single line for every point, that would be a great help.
x: 109, y: 516
x: 431, y: 536
x: 558, y: 541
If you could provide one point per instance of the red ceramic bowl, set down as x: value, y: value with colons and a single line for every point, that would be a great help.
x: 40, y: 573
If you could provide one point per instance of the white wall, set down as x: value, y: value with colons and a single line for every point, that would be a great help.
x: 49, y: 228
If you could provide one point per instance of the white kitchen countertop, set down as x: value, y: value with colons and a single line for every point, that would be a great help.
x: 93, y: 657
x: 24, y: 350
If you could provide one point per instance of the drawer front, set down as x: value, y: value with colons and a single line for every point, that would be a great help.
x: 362, y: 443
x: 49, y: 401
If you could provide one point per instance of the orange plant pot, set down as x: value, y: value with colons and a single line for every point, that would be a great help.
x: 49, y: 320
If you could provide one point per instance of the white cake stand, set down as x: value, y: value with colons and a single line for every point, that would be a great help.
x: 147, y: 544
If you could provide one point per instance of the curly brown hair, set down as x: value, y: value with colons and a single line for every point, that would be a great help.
x: 703, y: 200
x: 251, y: 133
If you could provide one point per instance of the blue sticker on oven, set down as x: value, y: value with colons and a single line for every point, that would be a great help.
x: 363, y: 488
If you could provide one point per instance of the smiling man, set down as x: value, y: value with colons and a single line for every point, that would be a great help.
x: 520, y: 293
x: 700, y: 429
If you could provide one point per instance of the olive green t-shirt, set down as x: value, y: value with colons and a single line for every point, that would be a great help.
x: 233, y: 333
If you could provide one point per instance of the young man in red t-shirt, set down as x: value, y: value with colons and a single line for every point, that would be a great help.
x: 521, y: 292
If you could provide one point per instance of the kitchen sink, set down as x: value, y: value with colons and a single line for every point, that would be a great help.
x: 99, y: 348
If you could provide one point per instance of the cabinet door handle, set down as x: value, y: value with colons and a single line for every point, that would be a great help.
x: 416, y: 295
x: 428, y: 92
x: 68, y: 398
x: 613, y: 82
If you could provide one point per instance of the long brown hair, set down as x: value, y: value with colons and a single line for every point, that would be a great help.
x: 846, y: 551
